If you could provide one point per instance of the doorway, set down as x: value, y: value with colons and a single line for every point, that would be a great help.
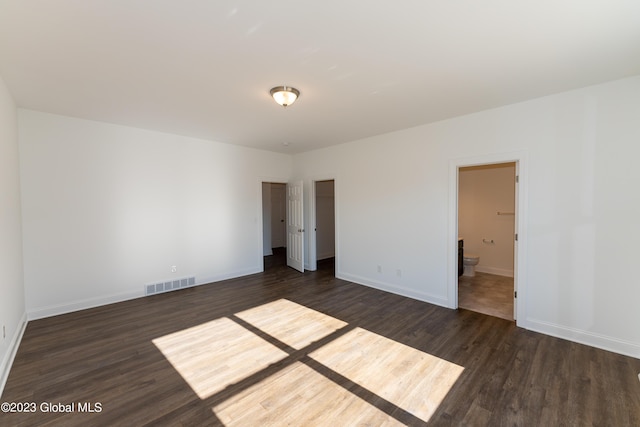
x: 274, y: 239
x: 486, y: 230
x: 519, y: 233
x: 325, y: 228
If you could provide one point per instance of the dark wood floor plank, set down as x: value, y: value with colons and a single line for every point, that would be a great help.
x: 510, y: 377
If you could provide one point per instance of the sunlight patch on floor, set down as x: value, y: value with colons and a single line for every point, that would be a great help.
x: 215, y: 354
x: 410, y: 379
x: 291, y: 323
x: 298, y: 395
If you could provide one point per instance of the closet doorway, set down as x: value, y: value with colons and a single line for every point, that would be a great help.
x: 322, y: 243
x: 274, y: 230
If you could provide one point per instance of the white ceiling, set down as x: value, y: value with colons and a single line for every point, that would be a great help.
x: 203, y: 68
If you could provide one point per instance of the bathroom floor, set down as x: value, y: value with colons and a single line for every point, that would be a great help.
x: 487, y: 293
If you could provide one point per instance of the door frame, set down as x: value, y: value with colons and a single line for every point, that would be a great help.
x: 312, y: 249
x: 520, y: 250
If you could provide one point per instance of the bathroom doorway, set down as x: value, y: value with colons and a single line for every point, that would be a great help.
x: 486, y: 224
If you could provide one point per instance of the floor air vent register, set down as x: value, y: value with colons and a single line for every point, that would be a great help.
x: 171, y: 285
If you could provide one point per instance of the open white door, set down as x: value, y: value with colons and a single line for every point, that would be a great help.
x: 295, y: 227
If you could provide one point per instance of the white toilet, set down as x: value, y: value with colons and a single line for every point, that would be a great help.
x: 470, y: 261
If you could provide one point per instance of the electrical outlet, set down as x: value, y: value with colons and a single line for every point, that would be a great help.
x: 379, y: 269
x: 399, y: 273
x: 174, y: 268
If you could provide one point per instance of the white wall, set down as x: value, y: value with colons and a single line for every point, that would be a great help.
x: 582, y: 216
x: 12, y: 305
x: 484, y: 191
x: 108, y: 209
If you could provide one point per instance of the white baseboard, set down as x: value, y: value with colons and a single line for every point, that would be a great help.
x: 57, y: 309
x: 69, y: 307
x: 9, y: 357
x: 394, y: 289
x: 494, y: 270
x: 591, y: 339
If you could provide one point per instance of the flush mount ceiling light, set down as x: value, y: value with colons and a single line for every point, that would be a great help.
x: 285, y: 95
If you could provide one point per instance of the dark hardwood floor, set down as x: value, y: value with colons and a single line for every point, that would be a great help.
x: 112, y: 355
